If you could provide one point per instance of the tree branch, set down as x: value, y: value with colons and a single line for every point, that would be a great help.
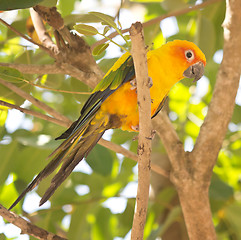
x: 27, y: 227
x: 89, y: 78
x: 35, y: 69
x: 215, y: 125
x: 43, y: 35
x: 193, y: 179
x: 159, y: 19
x: 75, y: 58
x: 144, y: 138
x: 32, y: 113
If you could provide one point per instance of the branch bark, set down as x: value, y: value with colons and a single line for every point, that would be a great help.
x: 43, y: 35
x: 89, y: 78
x: 27, y: 227
x: 221, y: 107
x: 191, y: 172
x: 144, y: 138
x: 35, y: 69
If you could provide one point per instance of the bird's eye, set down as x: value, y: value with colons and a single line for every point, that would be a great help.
x: 189, y: 55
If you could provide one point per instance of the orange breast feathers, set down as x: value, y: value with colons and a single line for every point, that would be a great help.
x: 123, y: 102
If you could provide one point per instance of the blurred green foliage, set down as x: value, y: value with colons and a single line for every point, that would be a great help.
x: 24, y: 150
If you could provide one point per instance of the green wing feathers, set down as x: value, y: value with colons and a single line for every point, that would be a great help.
x: 77, y: 149
x: 84, y: 133
x: 70, y: 152
x: 116, y: 75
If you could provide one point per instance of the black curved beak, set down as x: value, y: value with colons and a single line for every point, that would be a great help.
x: 195, y: 71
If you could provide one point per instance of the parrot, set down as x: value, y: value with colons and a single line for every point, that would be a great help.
x: 113, y: 104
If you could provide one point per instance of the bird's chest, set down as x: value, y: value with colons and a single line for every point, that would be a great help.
x: 123, y: 103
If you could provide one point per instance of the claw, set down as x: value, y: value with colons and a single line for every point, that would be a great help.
x: 135, y: 128
x: 153, y: 133
x: 150, y: 82
x: 133, y: 84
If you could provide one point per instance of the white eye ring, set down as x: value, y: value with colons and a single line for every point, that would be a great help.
x: 189, y: 55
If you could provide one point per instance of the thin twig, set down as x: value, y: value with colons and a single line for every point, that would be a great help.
x: 34, y: 101
x: 144, y: 138
x: 27, y: 227
x: 35, y: 69
x: 160, y: 18
x: 119, y: 149
x: 53, y: 89
x: 32, y: 113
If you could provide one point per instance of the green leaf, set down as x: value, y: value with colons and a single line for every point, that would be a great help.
x: 172, y: 5
x: 171, y: 218
x: 14, y: 76
x: 10, y: 74
x: 16, y: 4
x: 127, y: 37
x: 146, y: 1
x: 7, y: 155
x: 102, y: 229
x: 100, y: 160
x: 205, y: 28
x: 20, y: 25
x: 86, y: 29
x: 219, y: 190
x: 83, y: 18
x: 219, y: 193
x: 126, y: 218
x: 232, y: 215
x: 2, y: 237
x: 77, y: 85
x: 7, y: 194
x: 66, y: 7
x: 236, y: 114
x: 100, y: 48
x: 3, y: 115
x: 79, y: 227
x: 49, y: 3
x: 106, y: 29
x: 105, y: 19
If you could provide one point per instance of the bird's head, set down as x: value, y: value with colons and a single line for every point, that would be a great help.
x: 189, y: 59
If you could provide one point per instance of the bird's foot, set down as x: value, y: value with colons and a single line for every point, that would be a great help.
x: 153, y: 133
x: 133, y: 84
x: 135, y: 128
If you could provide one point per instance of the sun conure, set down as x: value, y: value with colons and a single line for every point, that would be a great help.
x: 113, y: 104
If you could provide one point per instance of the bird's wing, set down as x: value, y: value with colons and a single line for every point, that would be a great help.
x: 159, y: 107
x: 69, y: 150
x: 121, y: 72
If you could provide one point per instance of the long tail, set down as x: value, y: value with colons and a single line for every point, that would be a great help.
x: 70, y: 152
